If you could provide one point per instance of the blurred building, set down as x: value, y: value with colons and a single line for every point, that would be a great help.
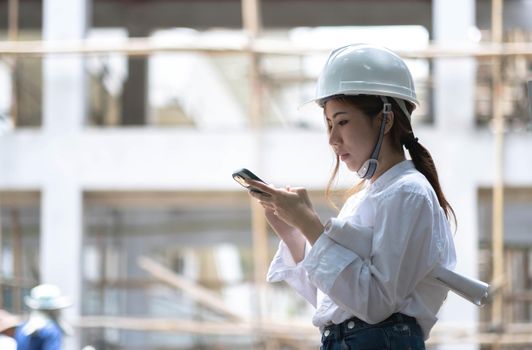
x: 115, y: 179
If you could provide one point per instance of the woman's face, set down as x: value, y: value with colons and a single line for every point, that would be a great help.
x: 352, y: 134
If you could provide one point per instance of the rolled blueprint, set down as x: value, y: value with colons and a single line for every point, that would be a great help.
x: 471, y: 289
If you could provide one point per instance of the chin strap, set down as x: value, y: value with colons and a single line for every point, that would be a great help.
x: 370, y: 166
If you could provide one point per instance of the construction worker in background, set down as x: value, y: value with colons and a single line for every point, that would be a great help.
x: 44, y: 329
x: 8, y: 325
x: 367, y: 270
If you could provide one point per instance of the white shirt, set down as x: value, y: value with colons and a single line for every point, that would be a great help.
x: 373, y: 260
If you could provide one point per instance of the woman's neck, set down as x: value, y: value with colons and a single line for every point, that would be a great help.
x: 386, y: 162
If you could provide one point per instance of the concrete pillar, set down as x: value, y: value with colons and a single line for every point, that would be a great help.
x: 64, y: 81
x: 454, y: 79
x: 64, y: 115
x: 61, y: 234
x: 454, y: 87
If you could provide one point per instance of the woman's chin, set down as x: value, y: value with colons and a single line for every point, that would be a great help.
x: 352, y: 167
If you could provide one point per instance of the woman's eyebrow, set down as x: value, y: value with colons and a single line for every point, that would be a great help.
x: 335, y: 115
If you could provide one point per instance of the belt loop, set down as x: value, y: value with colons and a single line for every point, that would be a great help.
x: 340, y: 331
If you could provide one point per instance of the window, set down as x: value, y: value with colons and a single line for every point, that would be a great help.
x: 19, y: 247
x: 517, y: 252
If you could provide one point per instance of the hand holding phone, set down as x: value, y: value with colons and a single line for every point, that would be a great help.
x: 243, y: 175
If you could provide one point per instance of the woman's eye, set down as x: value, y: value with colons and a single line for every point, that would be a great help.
x: 343, y: 122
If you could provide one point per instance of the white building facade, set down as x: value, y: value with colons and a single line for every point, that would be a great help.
x: 69, y: 163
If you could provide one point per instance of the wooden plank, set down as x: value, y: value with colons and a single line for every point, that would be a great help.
x: 287, y: 332
x: 12, y: 20
x: 498, y: 182
x: 12, y: 35
x: 196, y: 292
x: 145, y: 47
x: 251, y: 17
x: 1, y: 259
x: 20, y: 199
x: 165, y: 199
x: 279, y: 330
x: 16, y: 239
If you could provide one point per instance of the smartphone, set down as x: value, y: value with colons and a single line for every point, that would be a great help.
x: 243, y: 175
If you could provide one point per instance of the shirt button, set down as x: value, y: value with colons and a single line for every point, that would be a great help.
x: 328, y: 226
x: 327, y: 332
x: 351, y: 325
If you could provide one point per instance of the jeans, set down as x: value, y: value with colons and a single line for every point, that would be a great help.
x: 398, y: 332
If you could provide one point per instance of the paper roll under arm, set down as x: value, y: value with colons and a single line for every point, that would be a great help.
x: 471, y: 289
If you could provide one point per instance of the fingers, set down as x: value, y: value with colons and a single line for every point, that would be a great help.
x: 262, y: 186
x: 265, y: 200
x: 279, y: 198
x: 261, y: 196
x: 303, y: 194
x: 267, y: 206
x: 300, y: 190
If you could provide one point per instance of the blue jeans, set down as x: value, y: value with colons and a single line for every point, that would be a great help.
x: 398, y: 332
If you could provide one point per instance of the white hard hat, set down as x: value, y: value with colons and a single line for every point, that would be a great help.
x: 46, y: 297
x: 363, y: 69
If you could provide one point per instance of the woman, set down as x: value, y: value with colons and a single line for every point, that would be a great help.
x: 367, y: 271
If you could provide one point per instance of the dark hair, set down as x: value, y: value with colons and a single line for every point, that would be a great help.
x: 401, y: 134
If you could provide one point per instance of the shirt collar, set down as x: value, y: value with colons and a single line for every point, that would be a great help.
x: 392, y: 173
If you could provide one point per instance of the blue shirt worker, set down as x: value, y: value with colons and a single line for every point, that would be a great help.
x: 44, y: 329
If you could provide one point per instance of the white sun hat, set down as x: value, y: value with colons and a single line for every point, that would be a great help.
x: 46, y: 297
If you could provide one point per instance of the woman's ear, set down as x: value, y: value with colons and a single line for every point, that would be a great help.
x: 390, y: 117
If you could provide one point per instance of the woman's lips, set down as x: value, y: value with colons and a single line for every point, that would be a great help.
x: 344, y: 156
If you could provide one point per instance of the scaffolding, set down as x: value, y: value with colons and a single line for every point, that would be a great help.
x: 271, y: 332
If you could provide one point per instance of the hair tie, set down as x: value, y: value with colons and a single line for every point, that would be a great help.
x: 411, y: 142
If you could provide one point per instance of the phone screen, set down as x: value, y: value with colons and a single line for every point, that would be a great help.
x: 243, y: 175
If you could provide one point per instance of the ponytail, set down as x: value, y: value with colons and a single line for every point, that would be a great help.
x: 425, y: 164
x: 402, y: 134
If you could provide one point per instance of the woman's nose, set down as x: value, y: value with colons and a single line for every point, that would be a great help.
x: 333, y: 137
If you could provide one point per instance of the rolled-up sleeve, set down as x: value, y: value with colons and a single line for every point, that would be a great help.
x: 284, y: 268
x: 370, y: 273
x: 351, y: 236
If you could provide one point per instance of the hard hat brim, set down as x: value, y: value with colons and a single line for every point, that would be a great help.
x: 317, y: 100
x: 57, y: 303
